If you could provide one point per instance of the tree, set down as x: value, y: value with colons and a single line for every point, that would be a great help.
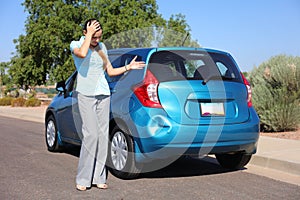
x: 176, y: 33
x: 43, y: 53
x: 128, y: 23
x: 276, y: 93
x: 4, y: 77
x: 44, y: 50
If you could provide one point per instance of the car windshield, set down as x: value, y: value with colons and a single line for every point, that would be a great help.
x: 193, y: 65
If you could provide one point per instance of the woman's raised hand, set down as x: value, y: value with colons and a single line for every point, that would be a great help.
x: 93, y: 27
x: 136, y: 64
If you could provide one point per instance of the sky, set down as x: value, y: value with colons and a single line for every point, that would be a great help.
x: 252, y: 31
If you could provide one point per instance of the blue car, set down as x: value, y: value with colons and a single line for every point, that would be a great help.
x: 186, y: 101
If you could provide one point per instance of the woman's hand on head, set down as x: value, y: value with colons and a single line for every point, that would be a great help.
x: 93, y: 27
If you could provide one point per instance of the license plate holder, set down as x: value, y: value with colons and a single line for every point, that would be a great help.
x: 212, y: 109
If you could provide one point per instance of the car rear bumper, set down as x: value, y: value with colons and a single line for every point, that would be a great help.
x: 162, y: 138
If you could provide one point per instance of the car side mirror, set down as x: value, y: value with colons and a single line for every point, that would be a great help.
x: 61, y: 86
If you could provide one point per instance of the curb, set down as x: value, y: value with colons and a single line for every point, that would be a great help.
x: 278, y: 154
x: 280, y: 165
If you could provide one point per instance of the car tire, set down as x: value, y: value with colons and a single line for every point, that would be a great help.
x: 51, y: 135
x: 121, y: 159
x: 233, y: 160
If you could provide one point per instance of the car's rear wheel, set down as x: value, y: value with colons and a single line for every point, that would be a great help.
x: 121, y: 160
x: 233, y: 160
x: 51, y: 134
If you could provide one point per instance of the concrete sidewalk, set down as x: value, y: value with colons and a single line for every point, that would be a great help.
x: 272, y: 153
x: 35, y: 114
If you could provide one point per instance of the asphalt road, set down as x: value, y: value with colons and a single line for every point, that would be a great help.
x: 29, y: 171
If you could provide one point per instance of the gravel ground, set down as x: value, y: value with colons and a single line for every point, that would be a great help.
x: 293, y: 135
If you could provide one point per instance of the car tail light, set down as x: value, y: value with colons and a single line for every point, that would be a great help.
x: 249, y: 90
x: 146, y: 92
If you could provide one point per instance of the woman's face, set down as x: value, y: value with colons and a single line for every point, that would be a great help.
x: 96, y: 38
x: 97, y: 35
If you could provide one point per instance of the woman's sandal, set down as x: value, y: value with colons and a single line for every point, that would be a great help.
x: 80, y: 188
x: 102, y: 186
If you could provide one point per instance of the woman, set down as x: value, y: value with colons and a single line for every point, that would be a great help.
x: 90, y: 57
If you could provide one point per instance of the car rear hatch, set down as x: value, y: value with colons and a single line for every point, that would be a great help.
x: 198, y: 87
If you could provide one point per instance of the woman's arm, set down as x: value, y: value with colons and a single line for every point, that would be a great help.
x: 117, y: 71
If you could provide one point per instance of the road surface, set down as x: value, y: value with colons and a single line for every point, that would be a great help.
x: 29, y: 171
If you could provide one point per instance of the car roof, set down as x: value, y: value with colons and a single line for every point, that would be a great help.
x: 156, y: 49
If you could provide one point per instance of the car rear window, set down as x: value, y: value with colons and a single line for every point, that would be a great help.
x: 193, y: 65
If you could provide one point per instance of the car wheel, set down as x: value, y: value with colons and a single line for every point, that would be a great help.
x: 121, y: 160
x: 51, y: 134
x: 234, y: 160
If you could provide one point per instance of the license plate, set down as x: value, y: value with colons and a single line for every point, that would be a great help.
x: 212, y: 109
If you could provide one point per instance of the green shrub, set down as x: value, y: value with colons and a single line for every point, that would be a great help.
x: 51, y: 95
x: 32, y: 102
x: 18, y: 102
x: 6, y: 101
x: 276, y: 93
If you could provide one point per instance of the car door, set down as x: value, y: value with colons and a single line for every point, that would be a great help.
x: 68, y: 118
x: 120, y: 86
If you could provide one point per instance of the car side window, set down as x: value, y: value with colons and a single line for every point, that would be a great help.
x: 120, y: 61
x: 70, y: 85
